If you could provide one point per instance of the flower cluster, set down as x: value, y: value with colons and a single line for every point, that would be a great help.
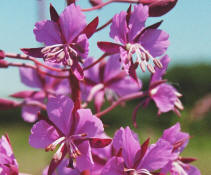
x: 68, y: 80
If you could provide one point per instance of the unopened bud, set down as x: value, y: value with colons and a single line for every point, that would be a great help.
x: 95, y: 2
x: 7, y: 104
x: 2, y: 54
x: 3, y: 64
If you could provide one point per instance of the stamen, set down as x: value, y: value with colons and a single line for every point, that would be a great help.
x: 142, y: 57
x: 53, y: 145
x: 58, y: 155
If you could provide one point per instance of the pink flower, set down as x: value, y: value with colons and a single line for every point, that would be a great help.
x: 179, y: 140
x: 134, y: 39
x: 135, y: 158
x: 8, y: 163
x: 66, y: 38
x: 76, y: 133
x: 165, y: 96
x: 107, y: 80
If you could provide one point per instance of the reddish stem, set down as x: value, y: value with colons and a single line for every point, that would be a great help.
x: 25, y: 57
x: 120, y: 100
x: 108, y: 2
x: 97, y: 61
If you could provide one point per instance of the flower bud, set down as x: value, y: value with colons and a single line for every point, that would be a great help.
x: 159, y: 7
x: 7, y: 104
x: 95, y: 2
x: 3, y: 64
x: 2, y: 54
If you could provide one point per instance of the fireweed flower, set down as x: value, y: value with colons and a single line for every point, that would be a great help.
x: 46, y: 85
x: 165, y: 96
x: 136, y: 159
x: 107, y: 79
x: 66, y: 38
x: 75, y: 133
x: 179, y: 140
x: 8, y: 163
x: 134, y: 39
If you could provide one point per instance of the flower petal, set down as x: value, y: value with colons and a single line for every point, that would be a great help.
x: 42, y: 134
x: 60, y: 112
x: 115, y: 166
x: 89, y: 124
x: 155, y: 41
x: 118, y: 30
x: 72, y: 22
x: 126, y: 140
x: 47, y: 32
x: 137, y: 21
x: 164, y: 97
x: 84, y: 161
x: 30, y: 78
x: 157, y: 156
x: 29, y: 113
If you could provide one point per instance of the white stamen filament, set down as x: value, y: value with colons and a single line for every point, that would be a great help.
x: 53, y: 145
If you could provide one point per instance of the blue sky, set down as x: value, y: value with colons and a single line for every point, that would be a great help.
x: 189, y: 26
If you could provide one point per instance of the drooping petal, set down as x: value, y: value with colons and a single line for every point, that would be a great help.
x: 42, y: 134
x: 174, y: 135
x: 157, y: 156
x: 89, y: 124
x: 84, y: 161
x: 47, y: 32
x: 60, y: 112
x: 115, y: 166
x: 118, y: 30
x: 34, y: 52
x: 99, y: 100
x: 82, y: 46
x: 155, y: 41
x: 72, y: 22
x: 137, y: 21
x: 128, y: 141
x: 30, y: 78
x: 109, y: 47
x: 157, y: 76
x: 29, y: 113
x: 164, y: 97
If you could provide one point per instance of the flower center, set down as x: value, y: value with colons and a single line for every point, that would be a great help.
x: 59, y: 53
x: 142, y: 57
x: 68, y: 142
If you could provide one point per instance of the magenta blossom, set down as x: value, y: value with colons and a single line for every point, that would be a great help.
x: 66, y: 38
x: 165, y: 96
x: 133, y: 38
x: 76, y: 133
x: 179, y: 140
x: 107, y: 79
x: 34, y: 99
x: 135, y: 159
x: 8, y: 163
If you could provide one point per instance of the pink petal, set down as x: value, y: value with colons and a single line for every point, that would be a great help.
x: 89, y: 124
x: 30, y: 78
x: 47, y: 32
x: 29, y: 113
x: 137, y: 20
x: 60, y: 112
x: 42, y: 134
x: 126, y: 140
x: 118, y: 30
x: 72, y: 22
x: 155, y: 41
x: 84, y: 161
x: 99, y: 100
